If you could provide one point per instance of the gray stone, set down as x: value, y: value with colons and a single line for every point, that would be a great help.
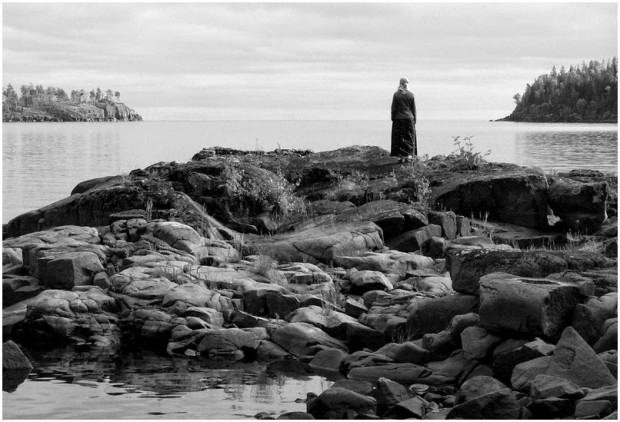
x: 582, y: 206
x: 390, y: 393
x: 16, y: 288
x: 551, y: 408
x: 526, y: 306
x: 178, y: 235
x: 354, y: 308
x: 477, y: 342
x: 323, y: 243
x: 229, y: 342
x: 13, y: 358
x: 431, y: 315
x: 509, y: 193
x: 609, y: 392
x: 588, y: 319
x: 413, y: 408
x: 327, y: 360
x: 574, y: 360
x: 477, y: 387
x: 501, y: 404
x: 268, y: 350
x: 336, y: 403
x: 525, y: 372
x: 412, y: 240
x: 365, y: 280
x: 407, y: 352
x: 360, y: 337
x: 449, y: 339
x: 544, y: 386
x: 296, y: 337
x: 67, y: 269
x: 403, y: 373
x: 594, y: 408
x: 609, y: 340
x: 446, y: 220
x: 514, y: 351
x: 468, y: 266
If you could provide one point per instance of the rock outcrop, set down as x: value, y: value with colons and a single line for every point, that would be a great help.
x: 418, y: 312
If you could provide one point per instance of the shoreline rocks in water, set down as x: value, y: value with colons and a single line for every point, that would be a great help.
x: 338, y: 260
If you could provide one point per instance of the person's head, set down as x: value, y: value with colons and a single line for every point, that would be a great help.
x: 404, y: 82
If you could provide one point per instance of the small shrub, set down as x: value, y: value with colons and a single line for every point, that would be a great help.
x: 464, y: 157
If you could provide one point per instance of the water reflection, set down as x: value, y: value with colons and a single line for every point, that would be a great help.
x: 564, y: 151
x: 66, y: 383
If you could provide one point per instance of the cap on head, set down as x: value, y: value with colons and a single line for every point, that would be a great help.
x: 404, y: 81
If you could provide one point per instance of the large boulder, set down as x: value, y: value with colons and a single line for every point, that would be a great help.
x: 574, y: 360
x: 65, y: 270
x: 467, y: 266
x: 86, y: 316
x: 526, y: 306
x: 582, y: 206
x: 506, y: 193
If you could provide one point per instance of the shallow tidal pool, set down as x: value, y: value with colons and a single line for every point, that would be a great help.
x: 65, y: 384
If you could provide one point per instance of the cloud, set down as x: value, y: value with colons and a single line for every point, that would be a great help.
x: 269, y: 60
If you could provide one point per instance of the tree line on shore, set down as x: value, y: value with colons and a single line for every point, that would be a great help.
x: 32, y: 96
x: 586, y: 93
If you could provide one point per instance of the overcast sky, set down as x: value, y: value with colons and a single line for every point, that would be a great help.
x: 211, y: 61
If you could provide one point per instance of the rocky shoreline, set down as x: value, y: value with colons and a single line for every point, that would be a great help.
x: 442, y: 289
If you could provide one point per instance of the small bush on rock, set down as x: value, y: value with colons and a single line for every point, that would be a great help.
x: 464, y: 157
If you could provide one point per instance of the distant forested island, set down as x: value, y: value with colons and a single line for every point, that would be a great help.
x: 38, y: 104
x: 586, y: 93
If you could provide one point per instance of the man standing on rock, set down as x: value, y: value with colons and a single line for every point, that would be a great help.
x: 404, y: 142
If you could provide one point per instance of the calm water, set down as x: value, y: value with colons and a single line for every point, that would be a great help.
x: 42, y: 162
x: 68, y: 385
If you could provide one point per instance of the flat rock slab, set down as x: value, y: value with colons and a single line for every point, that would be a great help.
x: 321, y: 244
x: 467, y: 266
x: 403, y: 373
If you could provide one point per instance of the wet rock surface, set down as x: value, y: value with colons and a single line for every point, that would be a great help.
x: 417, y: 313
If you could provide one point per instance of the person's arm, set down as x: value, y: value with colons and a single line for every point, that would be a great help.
x: 415, y: 117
